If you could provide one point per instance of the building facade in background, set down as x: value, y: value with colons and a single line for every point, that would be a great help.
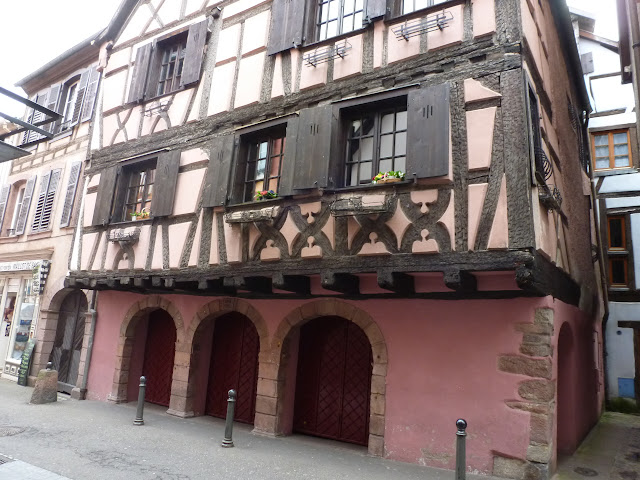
x: 234, y: 236
x: 613, y: 139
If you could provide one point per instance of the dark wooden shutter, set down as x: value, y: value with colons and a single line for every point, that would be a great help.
x: 104, y: 199
x: 313, y: 149
x: 287, y: 25
x: 82, y: 88
x: 164, y: 184
x: 44, y: 185
x: 194, y: 53
x: 428, y: 132
x: 217, y: 180
x: 375, y: 9
x: 4, y: 197
x: 26, y: 203
x: 289, y: 161
x: 52, y: 104
x: 70, y: 194
x: 140, y: 71
x: 90, y: 95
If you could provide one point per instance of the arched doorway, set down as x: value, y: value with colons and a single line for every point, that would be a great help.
x: 67, y: 345
x: 233, y: 365
x: 159, y: 353
x: 565, y: 413
x: 333, y: 383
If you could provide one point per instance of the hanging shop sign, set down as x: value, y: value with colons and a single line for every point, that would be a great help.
x: 20, y: 265
x: 25, y: 363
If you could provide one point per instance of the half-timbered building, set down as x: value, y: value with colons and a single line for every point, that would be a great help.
x: 236, y: 239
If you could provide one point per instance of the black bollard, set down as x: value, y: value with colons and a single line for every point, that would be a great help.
x: 140, y: 412
x: 49, y: 366
x: 228, y: 426
x: 461, y: 434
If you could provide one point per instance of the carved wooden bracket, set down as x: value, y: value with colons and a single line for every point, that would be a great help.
x: 365, y: 205
x: 250, y: 216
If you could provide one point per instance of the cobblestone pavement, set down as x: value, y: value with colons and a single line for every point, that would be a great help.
x: 611, y: 451
x: 90, y: 440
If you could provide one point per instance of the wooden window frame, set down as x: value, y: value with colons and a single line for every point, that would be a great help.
x: 615, y: 253
x: 252, y: 150
x: 611, y: 145
x: 399, y: 6
x: 377, y: 110
x: 128, y: 171
x: 318, y: 8
x: 165, y: 48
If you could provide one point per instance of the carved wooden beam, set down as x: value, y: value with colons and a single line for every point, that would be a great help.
x: 292, y: 283
x: 157, y: 282
x: 259, y: 284
x: 460, y: 280
x: 396, y: 281
x: 141, y: 282
x: 340, y: 282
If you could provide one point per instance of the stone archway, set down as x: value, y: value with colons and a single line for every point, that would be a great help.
x: 46, y: 331
x: 565, y: 408
x: 271, y: 405
x: 189, y: 357
x: 137, y: 312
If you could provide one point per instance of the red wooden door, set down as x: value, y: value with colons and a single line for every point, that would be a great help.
x: 234, y: 365
x: 159, y: 352
x: 334, y: 381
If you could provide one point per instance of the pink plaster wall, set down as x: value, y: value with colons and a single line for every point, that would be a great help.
x: 442, y: 365
x: 484, y: 17
x: 187, y: 191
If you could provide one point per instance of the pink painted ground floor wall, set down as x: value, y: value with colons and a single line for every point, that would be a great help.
x: 491, y: 362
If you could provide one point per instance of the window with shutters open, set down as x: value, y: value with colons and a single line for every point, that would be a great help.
x: 168, y: 64
x: 19, y: 197
x: 45, y: 201
x: 142, y: 188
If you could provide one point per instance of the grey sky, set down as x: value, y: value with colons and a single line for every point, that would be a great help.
x: 34, y: 32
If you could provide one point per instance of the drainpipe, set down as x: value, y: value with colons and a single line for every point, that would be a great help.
x: 92, y: 331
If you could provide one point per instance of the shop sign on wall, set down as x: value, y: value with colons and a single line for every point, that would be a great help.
x: 20, y: 266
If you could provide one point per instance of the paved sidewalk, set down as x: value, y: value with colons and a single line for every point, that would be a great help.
x: 96, y: 440
x: 11, y: 469
x: 611, y: 451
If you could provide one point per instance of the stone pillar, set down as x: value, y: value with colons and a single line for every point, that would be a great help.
x: 121, y: 373
x: 538, y: 395
x: 181, y: 402
x: 45, y: 337
x: 80, y: 391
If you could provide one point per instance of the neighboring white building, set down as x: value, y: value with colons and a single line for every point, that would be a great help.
x: 614, y: 151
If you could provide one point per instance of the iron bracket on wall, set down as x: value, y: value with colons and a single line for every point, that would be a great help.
x: 431, y: 23
x: 324, y: 54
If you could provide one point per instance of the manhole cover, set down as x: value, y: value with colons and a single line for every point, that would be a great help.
x: 585, y: 472
x: 9, y: 431
x: 4, y: 459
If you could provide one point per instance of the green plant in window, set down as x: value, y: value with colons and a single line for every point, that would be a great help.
x: 389, y: 177
x: 265, y: 195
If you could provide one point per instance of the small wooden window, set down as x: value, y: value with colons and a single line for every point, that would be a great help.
x: 338, y: 16
x: 618, y: 254
x: 611, y: 150
x: 409, y: 6
x: 617, y: 233
x: 264, y: 165
x: 376, y: 142
x: 138, y: 181
x: 171, y: 65
x: 618, y: 271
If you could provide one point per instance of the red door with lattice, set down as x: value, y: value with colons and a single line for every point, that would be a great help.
x: 334, y: 381
x: 159, y: 352
x: 234, y: 365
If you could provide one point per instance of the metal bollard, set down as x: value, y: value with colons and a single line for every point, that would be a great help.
x: 139, y: 413
x: 49, y: 366
x: 461, y: 467
x: 228, y: 426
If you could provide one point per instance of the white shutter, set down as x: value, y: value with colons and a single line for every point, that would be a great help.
x: 26, y: 204
x: 70, y: 194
